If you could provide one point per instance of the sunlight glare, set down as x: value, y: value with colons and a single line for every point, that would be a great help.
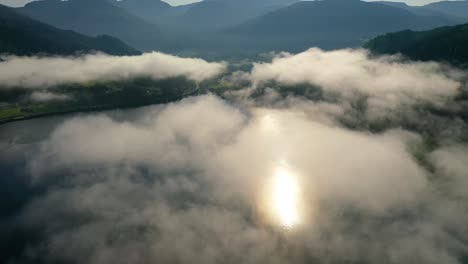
x: 285, y: 197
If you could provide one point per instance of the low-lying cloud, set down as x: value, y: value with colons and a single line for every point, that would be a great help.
x: 387, y: 81
x: 192, y: 181
x: 39, y: 96
x: 43, y: 72
x: 186, y: 183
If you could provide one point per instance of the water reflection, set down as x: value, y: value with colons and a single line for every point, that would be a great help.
x: 285, y: 197
x: 282, y: 196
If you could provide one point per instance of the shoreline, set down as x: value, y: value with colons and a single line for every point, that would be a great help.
x: 98, y: 108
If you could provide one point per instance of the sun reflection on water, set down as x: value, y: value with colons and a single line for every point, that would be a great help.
x: 281, y: 197
x: 286, y: 197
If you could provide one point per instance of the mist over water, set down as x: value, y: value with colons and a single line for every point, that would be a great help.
x: 261, y: 175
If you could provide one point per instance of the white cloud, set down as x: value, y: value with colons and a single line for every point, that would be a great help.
x: 47, y: 96
x: 181, y: 2
x: 207, y: 164
x: 386, y: 81
x: 190, y: 182
x: 41, y: 72
x: 451, y: 162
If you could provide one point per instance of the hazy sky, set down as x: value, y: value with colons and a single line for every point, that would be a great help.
x: 23, y: 2
x: 417, y: 2
x: 178, y: 2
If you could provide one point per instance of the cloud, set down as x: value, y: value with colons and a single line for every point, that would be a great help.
x: 169, y: 144
x: 40, y: 72
x: 47, y: 96
x: 196, y: 181
x: 189, y: 183
x: 452, y: 163
x: 387, y: 81
x: 185, y: 141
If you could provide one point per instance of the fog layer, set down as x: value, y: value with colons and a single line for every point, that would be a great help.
x: 43, y: 72
x: 189, y: 182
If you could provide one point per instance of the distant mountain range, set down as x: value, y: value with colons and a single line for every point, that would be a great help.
x: 418, y: 10
x: 147, y: 9
x: 218, y: 14
x: 208, y: 14
x: 333, y: 23
x: 21, y: 35
x: 453, y: 8
x: 448, y: 44
x: 154, y: 11
x: 241, y: 26
x: 96, y: 17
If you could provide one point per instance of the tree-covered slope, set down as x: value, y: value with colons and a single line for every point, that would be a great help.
x: 449, y: 44
x: 24, y: 36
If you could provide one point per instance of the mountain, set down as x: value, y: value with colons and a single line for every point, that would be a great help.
x: 449, y: 44
x: 331, y: 24
x: 215, y: 14
x: 96, y: 17
x: 154, y: 11
x: 395, y: 4
x: 24, y: 36
x: 453, y: 8
x: 420, y: 10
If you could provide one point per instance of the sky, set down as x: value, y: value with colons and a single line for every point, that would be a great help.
x: 23, y: 2
x: 179, y: 2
